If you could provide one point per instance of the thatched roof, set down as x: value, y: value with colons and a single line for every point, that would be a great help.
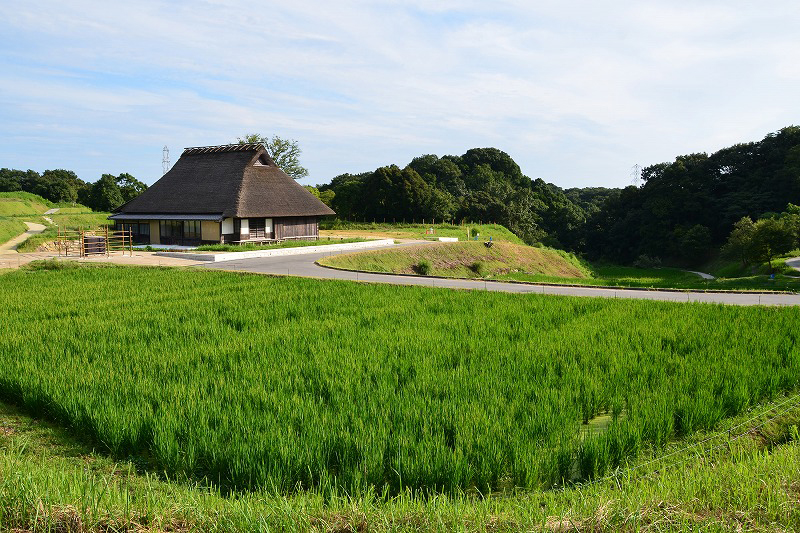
x: 235, y: 180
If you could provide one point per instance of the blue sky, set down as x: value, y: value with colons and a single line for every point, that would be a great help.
x: 576, y: 92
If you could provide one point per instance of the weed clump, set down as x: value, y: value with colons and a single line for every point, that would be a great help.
x: 480, y: 268
x: 51, y: 264
x: 423, y: 267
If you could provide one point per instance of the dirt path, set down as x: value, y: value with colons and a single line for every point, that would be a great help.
x: 139, y: 258
x: 702, y: 274
x: 10, y: 247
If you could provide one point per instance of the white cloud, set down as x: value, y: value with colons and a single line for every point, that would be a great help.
x: 576, y: 92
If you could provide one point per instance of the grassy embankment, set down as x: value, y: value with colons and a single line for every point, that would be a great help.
x: 51, y: 482
x: 19, y: 207
x: 464, y: 260
x: 361, y: 387
x: 670, y: 278
x: 507, y: 261
x: 16, y: 209
x: 368, y: 230
x: 86, y: 219
x: 10, y: 228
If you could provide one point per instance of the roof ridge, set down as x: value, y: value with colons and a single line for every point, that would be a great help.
x: 246, y: 147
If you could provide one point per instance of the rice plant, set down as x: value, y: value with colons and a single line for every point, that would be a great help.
x: 285, y: 384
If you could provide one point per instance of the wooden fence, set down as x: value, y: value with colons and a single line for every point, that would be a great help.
x: 87, y: 242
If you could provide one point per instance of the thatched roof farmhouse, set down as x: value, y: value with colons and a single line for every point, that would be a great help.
x: 229, y: 193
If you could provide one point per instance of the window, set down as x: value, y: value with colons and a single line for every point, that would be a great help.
x: 171, y: 229
x: 191, y: 229
x: 140, y: 231
x: 179, y: 231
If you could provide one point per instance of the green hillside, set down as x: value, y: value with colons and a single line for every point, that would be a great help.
x: 22, y: 203
x: 463, y: 260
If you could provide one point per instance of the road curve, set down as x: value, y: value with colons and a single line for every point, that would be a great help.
x: 304, y: 266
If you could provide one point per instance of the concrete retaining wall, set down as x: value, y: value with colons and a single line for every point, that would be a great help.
x: 230, y: 256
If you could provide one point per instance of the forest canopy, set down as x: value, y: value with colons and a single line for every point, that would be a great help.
x: 683, y: 212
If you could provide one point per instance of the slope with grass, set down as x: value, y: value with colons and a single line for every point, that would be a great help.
x: 18, y: 207
x: 10, y: 228
x: 12, y: 206
x: 51, y: 482
x: 15, y: 209
x: 463, y: 260
x: 81, y: 220
x: 507, y: 262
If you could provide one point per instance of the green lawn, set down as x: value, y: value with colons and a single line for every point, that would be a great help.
x: 670, y: 278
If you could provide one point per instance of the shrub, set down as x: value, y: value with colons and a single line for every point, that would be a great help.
x: 424, y: 267
x: 480, y: 268
x: 645, y: 261
x: 51, y: 264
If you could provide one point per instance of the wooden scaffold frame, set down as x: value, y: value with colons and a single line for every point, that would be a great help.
x: 89, y: 243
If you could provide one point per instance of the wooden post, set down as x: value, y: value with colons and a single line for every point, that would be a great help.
x: 108, y: 243
x: 130, y: 240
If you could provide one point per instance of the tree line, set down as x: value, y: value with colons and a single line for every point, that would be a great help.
x: 685, y: 210
x: 64, y: 186
x: 683, y: 213
x: 484, y: 184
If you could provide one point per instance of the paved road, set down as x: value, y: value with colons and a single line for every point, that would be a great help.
x: 794, y: 263
x: 303, y: 265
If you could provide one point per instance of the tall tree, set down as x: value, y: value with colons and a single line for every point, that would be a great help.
x: 771, y: 238
x: 285, y: 153
x: 740, y: 241
x: 129, y: 187
x: 105, y: 194
x: 58, y: 185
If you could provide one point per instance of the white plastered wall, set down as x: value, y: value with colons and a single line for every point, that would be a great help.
x: 227, y: 226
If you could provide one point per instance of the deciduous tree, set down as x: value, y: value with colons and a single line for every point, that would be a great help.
x: 285, y: 153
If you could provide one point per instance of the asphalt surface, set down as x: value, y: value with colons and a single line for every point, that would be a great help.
x: 304, y: 266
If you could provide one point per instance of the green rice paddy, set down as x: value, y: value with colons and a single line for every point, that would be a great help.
x: 285, y: 384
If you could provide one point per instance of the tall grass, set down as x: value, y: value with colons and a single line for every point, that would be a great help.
x: 284, y: 384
